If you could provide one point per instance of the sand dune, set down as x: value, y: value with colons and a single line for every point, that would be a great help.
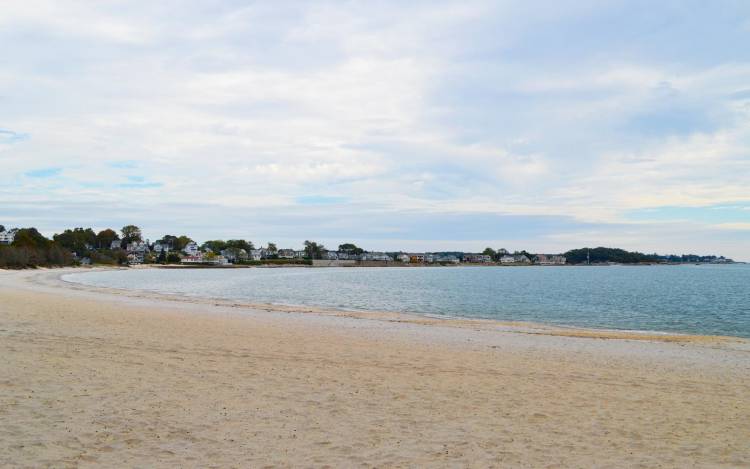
x: 96, y: 379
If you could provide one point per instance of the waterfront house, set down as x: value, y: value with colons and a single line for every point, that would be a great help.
x: 376, y: 256
x: 547, y: 259
x: 234, y: 254
x: 255, y: 255
x: 416, y: 258
x: 116, y: 244
x: 521, y: 259
x: 331, y: 255
x: 507, y: 259
x: 300, y: 254
x: 285, y: 253
x: 477, y: 258
x: 159, y: 248
x: 192, y: 259
x: 7, y: 237
x: 191, y: 249
x: 403, y: 258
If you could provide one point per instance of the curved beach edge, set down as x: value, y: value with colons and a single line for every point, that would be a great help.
x: 55, y: 279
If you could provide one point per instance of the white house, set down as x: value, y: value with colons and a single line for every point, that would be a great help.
x: 159, y: 248
x: 285, y: 253
x: 234, y: 254
x: 7, y: 237
x: 300, y: 254
x: 191, y: 249
x: 477, y: 258
x: 404, y: 258
x: 376, y: 256
x: 138, y: 247
x: 255, y: 255
x: 115, y: 244
x: 507, y: 259
x: 332, y: 255
x: 547, y: 259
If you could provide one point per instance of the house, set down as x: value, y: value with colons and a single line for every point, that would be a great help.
x: 547, y: 259
x: 449, y: 259
x: 191, y: 249
x: 7, y: 237
x: 515, y: 259
x: 115, y: 244
x: 255, y: 255
x: 477, y: 258
x: 331, y: 255
x: 285, y: 254
x: 300, y: 254
x: 416, y: 258
x: 192, y: 259
x: 139, y: 247
x: 404, y: 258
x: 135, y: 258
x: 234, y: 254
x: 376, y: 256
x: 159, y: 248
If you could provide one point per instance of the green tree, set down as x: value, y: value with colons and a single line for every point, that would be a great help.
x: 313, y: 250
x: 350, y: 248
x: 241, y: 244
x: 181, y: 242
x: 131, y: 234
x: 272, y: 247
x: 2, y: 228
x: 30, y: 238
x: 489, y: 252
x: 215, y: 245
x: 105, y: 237
x: 78, y: 240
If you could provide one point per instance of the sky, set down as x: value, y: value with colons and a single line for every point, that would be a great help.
x: 422, y: 125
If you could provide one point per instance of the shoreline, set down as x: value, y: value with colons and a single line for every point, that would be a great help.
x: 101, y: 378
x: 527, y: 327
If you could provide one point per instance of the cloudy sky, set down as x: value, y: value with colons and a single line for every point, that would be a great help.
x: 397, y: 125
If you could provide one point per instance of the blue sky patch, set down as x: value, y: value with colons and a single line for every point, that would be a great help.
x: 43, y: 173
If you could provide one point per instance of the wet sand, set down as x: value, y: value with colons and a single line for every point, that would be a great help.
x: 104, y: 378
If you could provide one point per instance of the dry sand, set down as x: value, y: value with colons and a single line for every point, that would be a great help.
x: 123, y: 380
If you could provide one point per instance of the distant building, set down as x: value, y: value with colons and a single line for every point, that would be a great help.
x: 515, y: 259
x: 234, y: 254
x: 159, y: 248
x: 7, y: 237
x: 547, y: 259
x: 331, y: 256
x: 285, y: 254
x: 300, y: 254
x: 477, y: 258
x: 115, y: 244
x: 415, y: 258
x: 376, y: 256
x: 139, y: 247
x: 405, y: 258
x: 192, y: 259
x: 191, y: 249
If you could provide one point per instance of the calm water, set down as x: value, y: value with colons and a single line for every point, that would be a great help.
x: 707, y: 299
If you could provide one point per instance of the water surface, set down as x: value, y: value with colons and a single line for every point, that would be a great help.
x: 704, y: 299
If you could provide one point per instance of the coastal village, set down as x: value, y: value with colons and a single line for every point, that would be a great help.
x: 85, y: 247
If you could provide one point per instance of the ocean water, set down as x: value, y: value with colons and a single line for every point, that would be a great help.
x: 700, y: 299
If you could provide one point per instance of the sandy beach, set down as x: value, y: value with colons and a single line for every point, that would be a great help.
x: 103, y: 378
